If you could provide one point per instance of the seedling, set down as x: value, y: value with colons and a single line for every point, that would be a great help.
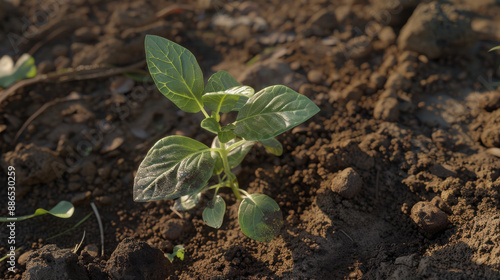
x: 179, y: 167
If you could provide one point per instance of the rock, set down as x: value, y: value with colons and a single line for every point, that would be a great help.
x: 46, y: 66
x: 348, y: 183
x: 387, y: 109
x: 490, y: 101
x: 171, y: 229
x: 53, y: 263
x: 59, y: 50
x: 80, y: 198
x: 429, y: 217
x: 439, y: 203
x: 92, y: 250
x: 34, y: 165
x: 436, y: 29
x: 315, y: 76
x: 321, y: 23
x: 137, y: 260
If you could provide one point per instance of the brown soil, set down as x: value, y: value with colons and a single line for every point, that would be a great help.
x: 408, y: 128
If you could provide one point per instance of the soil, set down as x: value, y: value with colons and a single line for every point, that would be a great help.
x: 402, y: 124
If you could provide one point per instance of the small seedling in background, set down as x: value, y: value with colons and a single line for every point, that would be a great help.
x: 63, y: 209
x: 179, y: 167
x: 177, y: 252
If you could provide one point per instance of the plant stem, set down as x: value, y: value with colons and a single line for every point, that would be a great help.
x: 233, y: 182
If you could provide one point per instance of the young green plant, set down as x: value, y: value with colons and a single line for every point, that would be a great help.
x: 178, y: 167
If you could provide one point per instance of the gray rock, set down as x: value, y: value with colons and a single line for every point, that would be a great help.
x: 348, y: 183
x: 429, y: 217
x: 437, y: 29
x: 137, y: 260
x: 53, y: 263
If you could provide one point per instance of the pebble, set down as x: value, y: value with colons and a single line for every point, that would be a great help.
x: 112, y: 144
x: 172, y: 228
x: 429, y: 217
x: 347, y: 183
x: 436, y: 29
x: 387, y: 109
x: 80, y: 198
x: 92, y: 250
x: 315, y: 76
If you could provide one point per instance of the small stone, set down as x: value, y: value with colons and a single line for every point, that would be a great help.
x: 387, y: 109
x: 429, y: 217
x: 92, y: 250
x: 315, y: 76
x: 347, y: 183
x: 80, y: 198
x: 437, y: 28
x: 59, y: 50
x: 172, y: 228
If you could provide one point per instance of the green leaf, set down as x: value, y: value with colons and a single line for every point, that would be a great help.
x: 211, y: 125
x: 63, y: 209
x: 260, y: 217
x: 176, y: 73
x: 9, y: 73
x: 225, y: 136
x: 177, y: 252
x: 225, y: 101
x: 273, y: 146
x: 175, y: 166
x: 187, y: 202
x: 213, y: 215
x: 273, y: 111
x: 236, y: 155
x: 494, y: 48
x: 220, y: 81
